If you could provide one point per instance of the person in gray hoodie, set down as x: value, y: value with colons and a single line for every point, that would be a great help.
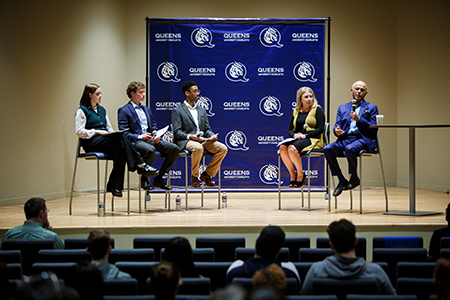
x: 99, y: 246
x: 344, y: 264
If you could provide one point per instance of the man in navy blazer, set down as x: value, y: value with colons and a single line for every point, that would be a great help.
x: 354, y: 134
x: 139, y: 121
x: 191, y: 131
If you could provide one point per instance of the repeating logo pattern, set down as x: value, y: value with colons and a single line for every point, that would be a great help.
x: 304, y: 71
x: 236, y: 140
x: 270, y: 37
x: 269, y: 174
x: 270, y: 106
x: 168, y: 71
x: 236, y: 71
x: 202, y: 37
x: 206, y: 103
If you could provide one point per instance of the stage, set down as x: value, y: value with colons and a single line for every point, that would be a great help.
x: 246, y: 214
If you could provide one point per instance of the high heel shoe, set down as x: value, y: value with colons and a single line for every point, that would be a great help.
x: 300, y: 183
x: 293, y: 183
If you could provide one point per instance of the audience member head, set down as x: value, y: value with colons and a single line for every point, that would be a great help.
x: 186, y: 87
x: 165, y: 280
x: 88, y: 89
x: 99, y: 244
x: 441, y: 277
x: 266, y: 293
x: 271, y: 276
x: 133, y: 87
x: 45, y: 286
x: 87, y: 280
x: 230, y: 292
x: 270, y: 242
x: 36, y: 210
x: 342, y: 236
x: 178, y: 251
x: 300, y: 93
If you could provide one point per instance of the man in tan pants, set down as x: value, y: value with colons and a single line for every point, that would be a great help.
x: 191, y: 131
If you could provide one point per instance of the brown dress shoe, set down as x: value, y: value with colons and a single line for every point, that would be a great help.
x: 195, y: 182
x: 207, y: 179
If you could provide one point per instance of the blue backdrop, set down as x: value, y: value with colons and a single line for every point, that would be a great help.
x: 248, y: 71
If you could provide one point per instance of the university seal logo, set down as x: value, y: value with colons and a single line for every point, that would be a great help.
x: 304, y: 71
x: 236, y: 140
x: 236, y: 71
x: 206, y: 103
x: 270, y: 37
x: 269, y: 174
x: 168, y: 71
x: 270, y: 106
x: 202, y: 37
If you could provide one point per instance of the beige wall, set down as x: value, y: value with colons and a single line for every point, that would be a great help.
x: 50, y: 49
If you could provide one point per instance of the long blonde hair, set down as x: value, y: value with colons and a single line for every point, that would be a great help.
x: 300, y: 93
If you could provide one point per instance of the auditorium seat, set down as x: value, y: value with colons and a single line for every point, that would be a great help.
x: 421, y: 287
x: 415, y: 269
x: 200, y: 254
x: 215, y: 271
x: 155, y: 243
x: 361, y: 247
x: 309, y: 297
x: 302, y: 269
x: 138, y: 270
x: 58, y: 255
x: 79, y: 243
x: 11, y: 256
x: 444, y: 253
x: 292, y: 287
x: 195, y: 286
x: 29, y: 251
x: 394, y: 255
x: 121, y: 286
x: 445, y: 242
x: 295, y: 244
x: 314, y: 254
x: 397, y: 242
x: 61, y: 270
x: 14, y: 271
x: 224, y: 247
x: 245, y: 253
x: 143, y: 255
x: 380, y: 297
x: 340, y: 288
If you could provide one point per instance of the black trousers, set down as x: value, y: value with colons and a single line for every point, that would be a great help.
x: 120, y: 148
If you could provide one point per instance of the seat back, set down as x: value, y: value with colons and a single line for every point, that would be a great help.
x: 395, y: 255
x: 398, y: 242
x: 295, y: 244
x: 142, y: 255
x: 423, y: 288
x: 195, y: 286
x: 15, y: 271
x: 360, y: 249
x: 11, y: 256
x: 415, y: 269
x: 120, y: 286
x: 138, y: 270
x: 200, y: 254
x: 29, y: 251
x: 445, y: 253
x: 156, y: 243
x: 69, y: 255
x: 79, y: 243
x: 310, y: 297
x: 215, y: 271
x: 340, y: 288
x: 61, y: 270
x: 445, y: 242
x: 245, y: 253
x: 224, y: 247
x: 380, y: 297
x: 291, y: 285
x: 302, y: 269
x: 314, y: 254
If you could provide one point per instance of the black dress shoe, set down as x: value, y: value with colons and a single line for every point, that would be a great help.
x: 159, y: 182
x: 338, y: 190
x: 145, y: 184
x: 147, y: 170
x: 352, y: 184
x: 115, y: 192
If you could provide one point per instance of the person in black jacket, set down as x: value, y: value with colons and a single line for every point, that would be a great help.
x: 435, y: 242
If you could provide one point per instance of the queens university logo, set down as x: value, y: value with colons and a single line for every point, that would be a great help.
x: 236, y: 71
x: 168, y: 136
x: 206, y: 103
x: 270, y: 37
x: 270, y: 106
x: 304, y: 71
x: 236, y: 140
x: 168, y: 71
x: 269, y: 174
x: 202, y: 37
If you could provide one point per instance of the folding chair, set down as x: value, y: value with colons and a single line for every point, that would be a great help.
x: 312, y: 152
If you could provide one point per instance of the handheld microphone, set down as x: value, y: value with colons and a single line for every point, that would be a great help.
x: 200, y: 134
x: 304, y: 128
x: 353, y: 105
x: 154, y: 132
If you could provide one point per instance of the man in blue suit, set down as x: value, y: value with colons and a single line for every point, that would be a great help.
x: 139, y: 121
x: 354, y: 134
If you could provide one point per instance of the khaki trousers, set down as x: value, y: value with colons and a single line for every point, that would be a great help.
x: 217, y: 148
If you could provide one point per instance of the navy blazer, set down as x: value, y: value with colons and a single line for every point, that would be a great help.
x: 367, y: 117
x: 183, y: 124
x: 128, y: 119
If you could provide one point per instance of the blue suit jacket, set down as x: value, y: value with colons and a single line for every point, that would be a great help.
x: 128, y: 119
x: 367, y: 117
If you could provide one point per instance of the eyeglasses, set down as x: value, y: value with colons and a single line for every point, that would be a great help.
x: 47, y: 210
x: 196, y: 91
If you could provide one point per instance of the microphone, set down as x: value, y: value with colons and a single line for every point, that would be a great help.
x: 304, y: 128
x: 200, y: 134
x: 154, y: 132
x: 353, y: 105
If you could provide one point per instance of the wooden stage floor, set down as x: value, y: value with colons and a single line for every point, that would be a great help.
x: 245, y: 209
